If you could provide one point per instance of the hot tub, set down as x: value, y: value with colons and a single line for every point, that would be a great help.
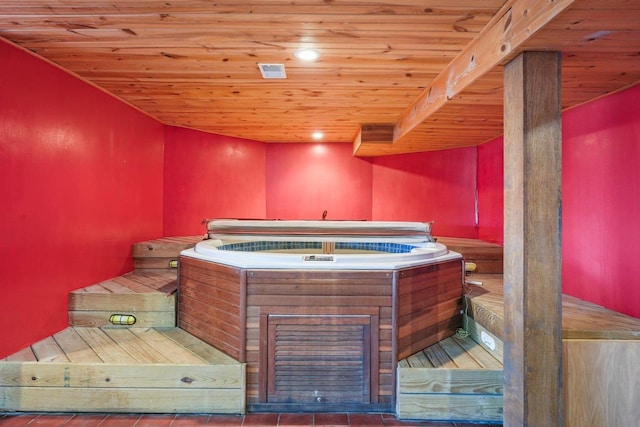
x: 352, y: 245
x: 320, y: 311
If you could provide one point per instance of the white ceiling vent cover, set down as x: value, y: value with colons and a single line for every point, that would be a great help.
x: 272, y: 71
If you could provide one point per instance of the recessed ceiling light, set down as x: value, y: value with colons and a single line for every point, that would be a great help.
x: 307, y: 54
x: 317, y: 135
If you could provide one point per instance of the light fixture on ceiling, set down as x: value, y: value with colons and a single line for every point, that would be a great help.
x: 307, y: 54
x: 317, y: 135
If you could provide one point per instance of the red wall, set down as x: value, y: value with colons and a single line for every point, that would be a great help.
x: 437, y: 186
x: 80, y: 180
x: 210, y: 176
x: 203, y: 179
x: 601, y: 201
x: 491, y: 191
x: 304, y: 180
x: 600, y: 207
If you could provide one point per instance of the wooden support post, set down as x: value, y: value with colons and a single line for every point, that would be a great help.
x: 532, y: 256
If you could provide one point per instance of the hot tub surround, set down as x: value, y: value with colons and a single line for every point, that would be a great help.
x: 322, y: 338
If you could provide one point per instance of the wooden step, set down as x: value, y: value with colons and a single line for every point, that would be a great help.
x: 600, y: 352
x: 580, y: 319
x: 488, y: 257
x: 148, y: 296
x: 161, y: 254
x: 122, y: 370
x: 456, y: 379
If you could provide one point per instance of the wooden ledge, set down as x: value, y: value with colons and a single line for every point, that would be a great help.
x: 487, y: 256
x: 580, y: 319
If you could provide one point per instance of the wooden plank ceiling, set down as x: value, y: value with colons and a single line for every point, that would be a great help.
x: 394, y: 76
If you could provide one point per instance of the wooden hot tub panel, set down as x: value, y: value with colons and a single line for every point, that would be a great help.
x: 320, y: 340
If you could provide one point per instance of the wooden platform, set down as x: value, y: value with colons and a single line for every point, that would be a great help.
x: 580, y: 319
x: 122, y: 370
x: 488, y: 257
x: 148, y: 296
x: 146, y: 367
x: 161, y: 254
x: 140, y: 362
x: 455, y: 379
x: 600, y: 351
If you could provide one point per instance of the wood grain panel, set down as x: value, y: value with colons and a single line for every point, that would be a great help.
x: 164, y: 247
x: 311, y: 359
x: 211, y: 305
x: 428, y: 305
x: 487, y: 408
x: 224, y: 401
x: 601, y: 382
x: 488, y: 257
x: 532, y: 267
x: 358, y: 293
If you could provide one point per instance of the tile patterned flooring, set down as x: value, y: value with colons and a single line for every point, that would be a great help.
x: 153, y: 420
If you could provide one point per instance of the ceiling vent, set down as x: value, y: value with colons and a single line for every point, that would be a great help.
x: 272, y: 71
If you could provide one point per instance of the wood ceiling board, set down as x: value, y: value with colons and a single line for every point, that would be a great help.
x: 194, y: 63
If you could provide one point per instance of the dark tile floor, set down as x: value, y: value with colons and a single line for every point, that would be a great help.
x: 152, y: 420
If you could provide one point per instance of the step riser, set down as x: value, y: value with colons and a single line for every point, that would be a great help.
x: 450, y: 381
x: 449, y: 389
x: 99, y: 319
x: 113, y: 376
x: 161, y: 254
x: 160, y: 400
x: 149, y: 297
x: 438, y: 407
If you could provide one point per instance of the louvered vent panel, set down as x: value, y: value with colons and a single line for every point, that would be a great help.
x: 320, y: 363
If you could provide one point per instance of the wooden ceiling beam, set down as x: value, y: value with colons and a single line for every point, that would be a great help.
x: 502, y: 38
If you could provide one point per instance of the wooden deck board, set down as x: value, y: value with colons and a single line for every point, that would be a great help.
x: 137, y: 348
x: 113, y: 286
x: 458, y: 354
x: 203, y: 350
x: 133, y: 285
x: 136, y: 282
x: 485, y: 359
x: 438, y: 357
x: 175, y: 353
x: 97, y: 288
x: 24, y: 355
x: 453, y: 353
x: 48, y: 350
x: 580, y: 319
x: 76, y: 349
x: 105, y: 348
